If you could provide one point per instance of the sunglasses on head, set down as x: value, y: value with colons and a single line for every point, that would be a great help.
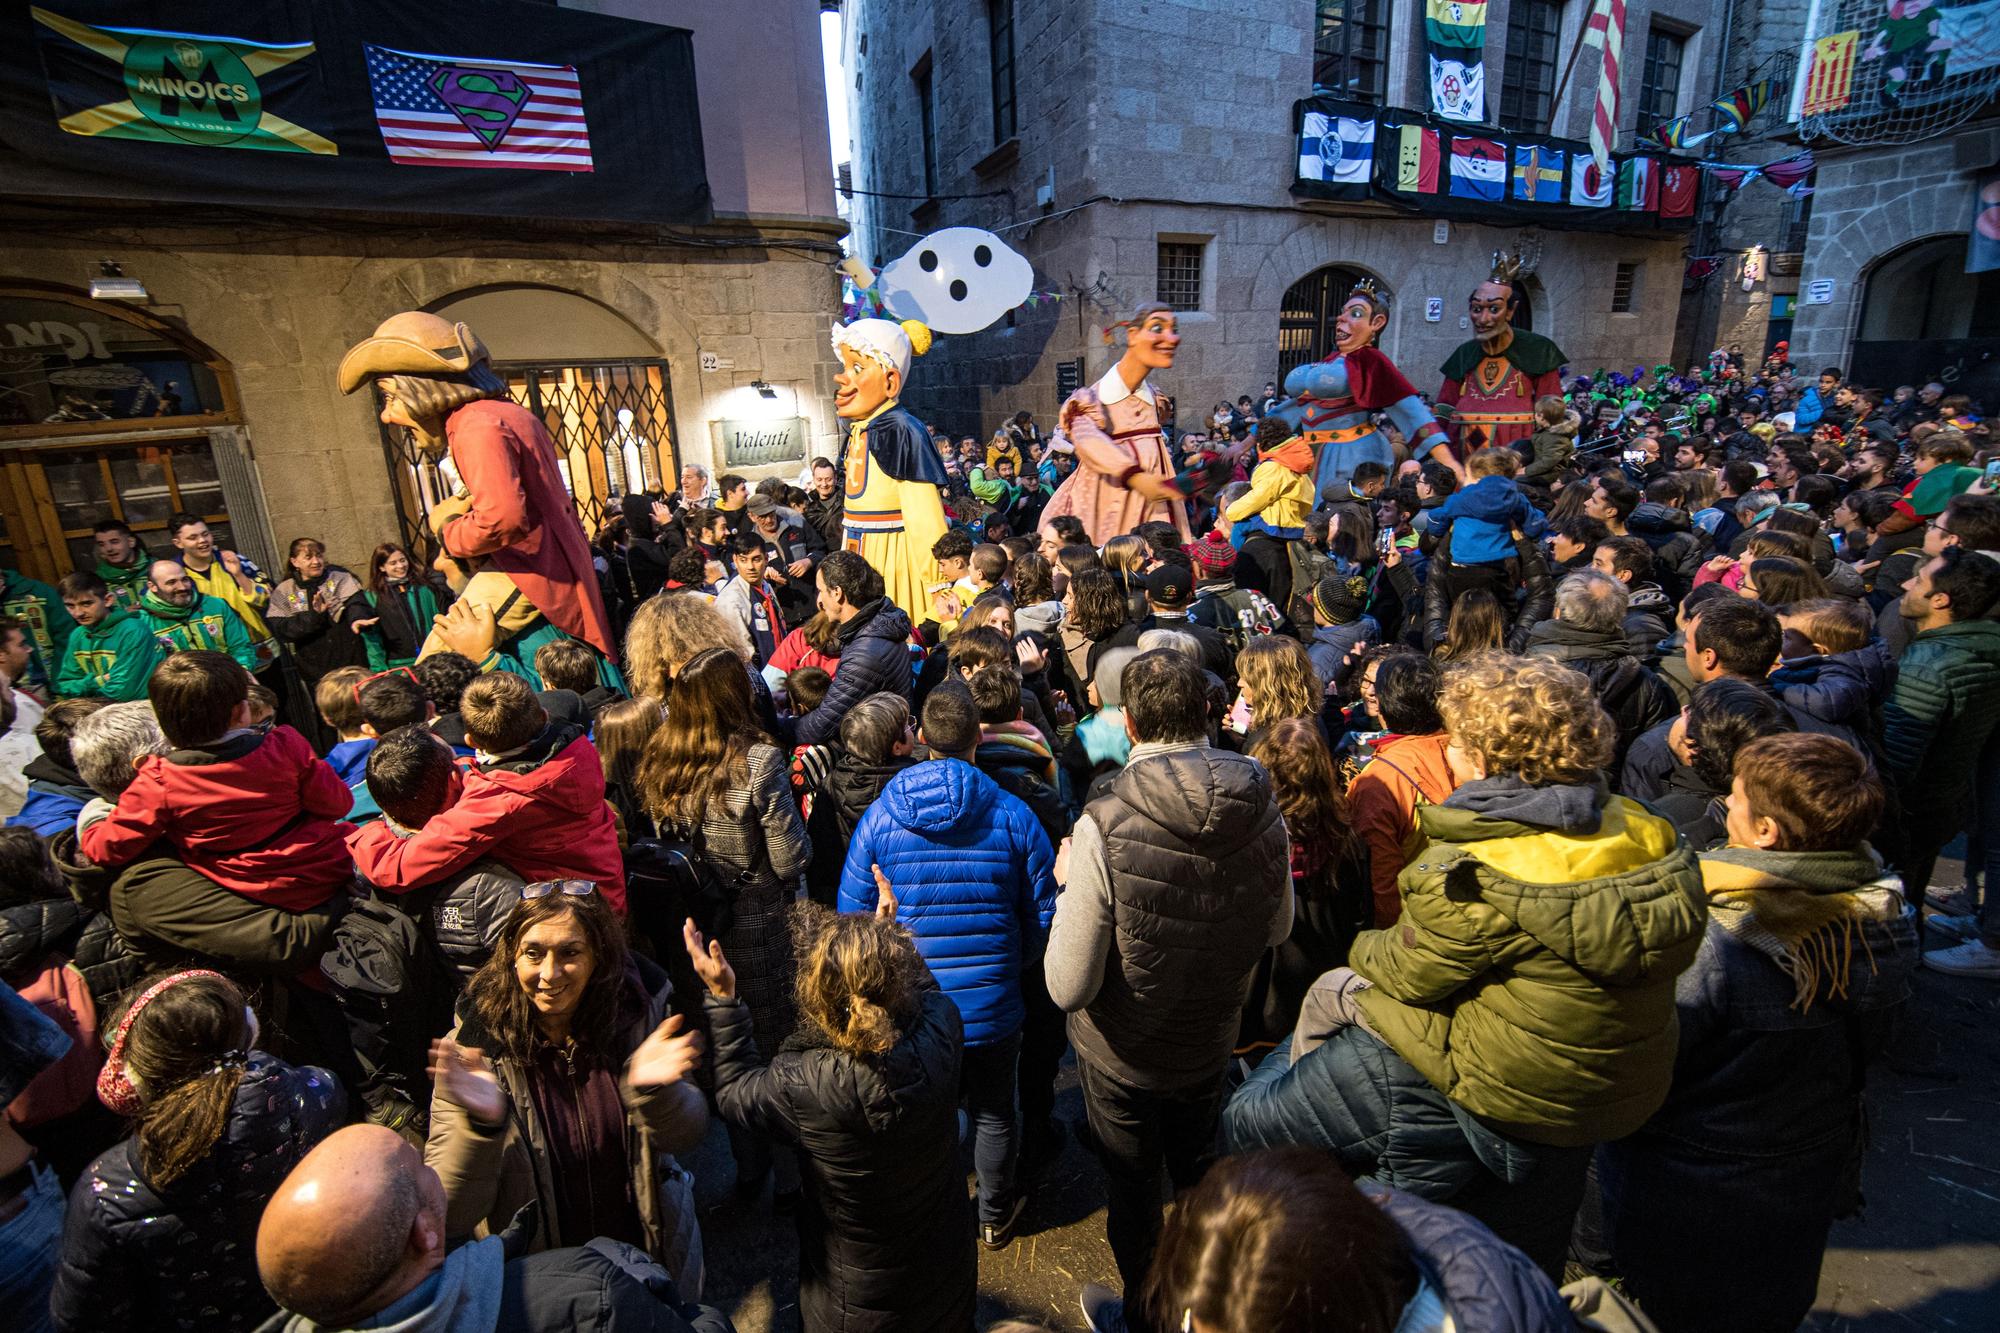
x: 575, y: 888
x: 402, y: 671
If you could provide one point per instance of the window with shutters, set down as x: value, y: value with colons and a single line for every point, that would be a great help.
x: 1000, y: 51
x: 1350, y: 49
x: 1534, y: 31
x: 1660, y: 81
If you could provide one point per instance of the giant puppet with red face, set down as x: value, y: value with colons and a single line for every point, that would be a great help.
x: 1332, y: 402
x: 511, y: 540
x: 1124, y: 468
x: 1492, y: 381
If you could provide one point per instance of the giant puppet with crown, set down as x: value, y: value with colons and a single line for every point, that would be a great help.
x: 1492, y: 381
x: 1332, y: 402
x: 511, y: 539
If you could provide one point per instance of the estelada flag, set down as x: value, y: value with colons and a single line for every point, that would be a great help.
x: 1414, y: 167
x: 180, y: 87
x: 1638, y: 185
x: 1830, y: 78
x: 1538, y: 174
x: 1478, y: 170
x: 1678, y: 182
x: 1589, y: 187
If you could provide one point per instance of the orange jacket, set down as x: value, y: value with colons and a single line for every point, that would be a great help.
x: 1382, y: 800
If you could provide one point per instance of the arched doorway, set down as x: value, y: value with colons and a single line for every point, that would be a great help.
x: 599, y: 385
x: 1924, y: 317
x: 1305, y: 320
x: 108, y: 412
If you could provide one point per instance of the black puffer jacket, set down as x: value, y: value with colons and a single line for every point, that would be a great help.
x: 185, y: 1256
x: 1538, y: 598
x: 885, y: 1233
x: 1679, y: 547
x: 842, y: 797
x: 31, y: 931
x: 874, y: 659
x: 1636, y: 698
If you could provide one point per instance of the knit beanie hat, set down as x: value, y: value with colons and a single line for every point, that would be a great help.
x: 1212, y: 555
x: 1338, y: 600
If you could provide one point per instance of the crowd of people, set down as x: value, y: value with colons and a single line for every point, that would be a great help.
x: 1476, y: 895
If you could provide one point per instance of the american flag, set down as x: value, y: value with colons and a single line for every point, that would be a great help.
x: 440, y: 111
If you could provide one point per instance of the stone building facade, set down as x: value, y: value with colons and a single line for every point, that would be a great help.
x: 638, y: 346
x: 1868, y: 273
x: 1163, y: 124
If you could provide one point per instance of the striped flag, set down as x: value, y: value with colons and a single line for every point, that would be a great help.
x: 1678, y: 182
x: 1605, y: 30
x: 1455, y: 40
x: 1737, y: 108
x: 1416, y: 160
x: 1538, y: 174
x: 1478, y: 170
x: 441, y: 111
x: 1639, y: 185
x: 1336, y: 149
x: 1830, y: 82
x: 1589, y: 186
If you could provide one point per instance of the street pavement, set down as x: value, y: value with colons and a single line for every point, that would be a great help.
x: 1924, y: 1254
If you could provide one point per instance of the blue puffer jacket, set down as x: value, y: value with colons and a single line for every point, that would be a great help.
x: 974, y: 880
x: 55, y: 796
x: 184, y: 1256
x: 874, y: 659
x: 1484, y: 1282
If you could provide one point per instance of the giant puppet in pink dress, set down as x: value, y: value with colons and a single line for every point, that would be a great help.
x: 1332, y: 402
x: 1125, y: 472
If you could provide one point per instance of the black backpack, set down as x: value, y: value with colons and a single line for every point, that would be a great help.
x: 396, y: 992
x: 667, y: 881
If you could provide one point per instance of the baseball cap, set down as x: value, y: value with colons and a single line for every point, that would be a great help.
x: 1171, y: 583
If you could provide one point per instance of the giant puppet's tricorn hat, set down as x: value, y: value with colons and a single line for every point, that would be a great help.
x: 412, y: 343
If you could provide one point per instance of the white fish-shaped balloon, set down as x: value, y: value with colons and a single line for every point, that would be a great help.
x: 959, y: 280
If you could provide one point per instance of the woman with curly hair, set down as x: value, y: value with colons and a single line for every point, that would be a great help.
x: 1522, y: 1008
x: 1275, y: 680
x: 668, y: 631
x: 1096, y: 619
x: 868, y: 1091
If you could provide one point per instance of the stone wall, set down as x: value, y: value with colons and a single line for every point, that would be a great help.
x: 1171, y: 120
x: 1870, y: 204
x: 282, y: 310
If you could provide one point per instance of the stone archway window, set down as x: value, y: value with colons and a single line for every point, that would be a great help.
x: 1924, y: 293
x: 600, y: 386
x: 1305, y: 320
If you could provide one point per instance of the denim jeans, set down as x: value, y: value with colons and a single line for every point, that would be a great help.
x: 30, y: 1242
x: 1138, y: 1132
x: 987, y: 1084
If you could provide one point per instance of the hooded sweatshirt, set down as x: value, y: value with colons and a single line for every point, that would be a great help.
x: 1280, y: 496
x: 1482, y: 516
x: 112, y: 659
x: 204, y: 623
x: 127, y: 582
x: 1531, y: 977
x: 48, y: 622
x: 540, y: 812
x: 974, y: 879
x: 253, y: 811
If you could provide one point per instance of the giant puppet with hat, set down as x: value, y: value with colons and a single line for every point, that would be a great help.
x: 1492, y: 381
x: 1332, y: 403
x: 513, y: 547
x: 892, y: 472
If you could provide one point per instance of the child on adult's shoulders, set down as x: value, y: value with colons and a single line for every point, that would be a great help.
x: 251, y: 808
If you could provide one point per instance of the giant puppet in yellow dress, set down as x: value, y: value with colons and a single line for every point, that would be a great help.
x: 892, y: 471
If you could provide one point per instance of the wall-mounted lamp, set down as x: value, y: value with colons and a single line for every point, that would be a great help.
x: 111, y: 284
x: 763, y: 390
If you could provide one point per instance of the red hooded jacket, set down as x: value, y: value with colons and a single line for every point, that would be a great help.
x: 256, y: 813
x: 543, y: 818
